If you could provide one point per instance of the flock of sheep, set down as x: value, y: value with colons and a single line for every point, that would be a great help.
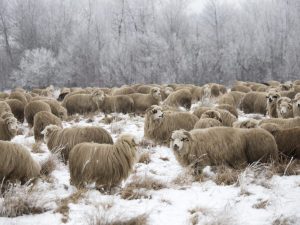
x: 202, y: 136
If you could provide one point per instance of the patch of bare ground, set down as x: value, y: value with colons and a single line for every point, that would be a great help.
x: 282, y: 220
x: 262, y: 204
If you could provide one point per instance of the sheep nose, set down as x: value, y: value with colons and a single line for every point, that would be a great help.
x: 299, y: 105
x: 176, y: 147
x: 270, y: 100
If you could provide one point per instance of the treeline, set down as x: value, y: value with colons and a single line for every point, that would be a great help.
x: 115, y: 42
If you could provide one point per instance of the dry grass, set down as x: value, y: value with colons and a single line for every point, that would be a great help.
x: 37, y: 147
x: 103, y: 219
x: 226, y: 175
x: 63, y: 205
x: 261, y: 204
x: 286, y: 221
x: 164, y: 158
x: 145, y: 158
x: 139, y: 186
x: 18, y: 200
x: 285, y: 167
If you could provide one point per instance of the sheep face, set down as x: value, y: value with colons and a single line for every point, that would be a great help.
x: 12, y: 124
x: 155, y: 112
x: 296, y: 101
x: 155, y: 92
x: 98, y: 97
x: 212, y: 114
x: 272, y: 97
x: 48, y: 131
x: 168, y: 90
x: 179, y: 140
x: 285, y: 108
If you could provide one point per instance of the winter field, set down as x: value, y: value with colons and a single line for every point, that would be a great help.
x: 158, y: 192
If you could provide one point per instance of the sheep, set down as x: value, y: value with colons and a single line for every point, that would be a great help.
x: 258, y: 87
x: 20, y: 96
x: 64, y: 91
x: 159, y: 124
x: 232, y: 98
x: 143, y: 101
x: 207, y: 122
x: 165, y: 92
x: 214, y: 90
x: 105, y: 164
x: 227, y: 118
x: 144, y: 89
x: 284, y: 108
x: 179, y: 98
x: 3, y: 95
x: 65, y: 139
x: 213, y: 114
x: 272, y: 98
x: 41, y: 120
x: 223, y: 145
x: 283, y: 123
x: 248, y: 124
x: 120, y: 103
x: 296, y: 82
x: 17, y: 108
x: 4, y: 108
x: 16, y: 163
x: 8, y: 128
x: 254, y: 102
x: 229, y: 108
x: 287, y: 139
x: 83, y: 103
x: 57, y: 109
x: 296, y: 105
x: 241, y: 88
x: 34, y: 107
x: 123, y: 91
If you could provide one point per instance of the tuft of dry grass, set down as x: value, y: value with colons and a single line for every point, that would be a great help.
x: 226, y: 175
x: 19, y: 200
x: 63, y: 205
x: 145, y: 158
x: 36, y: 147
x: 285, y: 166
x: 261, y: 204
x: 164, y: 158
x: 103, y: 219
x: 139, y: 186
x: 281, y: 220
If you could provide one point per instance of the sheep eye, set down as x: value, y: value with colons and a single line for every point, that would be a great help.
x: 275, y: 96
x: 154, y: 111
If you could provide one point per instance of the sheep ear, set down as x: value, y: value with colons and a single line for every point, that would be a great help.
x: 150, y: 108
x: 189, y: 136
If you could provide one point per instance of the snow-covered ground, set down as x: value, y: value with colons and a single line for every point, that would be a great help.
x: 164, y: 192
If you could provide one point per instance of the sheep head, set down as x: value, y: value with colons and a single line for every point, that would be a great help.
x: 98, y: 97
x: 296, y: 101
x: 48, y: 131
x: 155, y: 92
x: 12, y: 125
x: 155, y: 113
x: 179, y: 141
x: 212, y: 114
x: 273, y: 96
x: 285, y: 108
x: 129, y: 139
x: 63, y: 114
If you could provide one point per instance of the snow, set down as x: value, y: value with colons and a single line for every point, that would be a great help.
x: 174, y: 204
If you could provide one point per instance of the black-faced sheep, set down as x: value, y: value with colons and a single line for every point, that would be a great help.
x: 159, y: 124
x: 8, y: 128
x: 179, y: 98
x: 65, y: 139
x: 105, y: 164
x: 34, y: 107
x: 16, y: 163
x: 17, y: 108
x: 223, y: 145
x: 287, y: 140
x: 296, y: 105
x: 83, y: 103
x: 254, y: 102
x: 143, y: 101
x: 41, y: 120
